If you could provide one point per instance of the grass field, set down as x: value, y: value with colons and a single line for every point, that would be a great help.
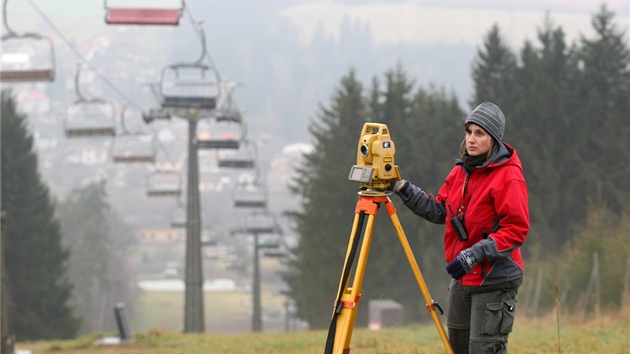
x: 608, y: 334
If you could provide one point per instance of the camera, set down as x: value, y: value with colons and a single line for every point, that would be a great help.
x: 375, y: 166
x: 459, y: 228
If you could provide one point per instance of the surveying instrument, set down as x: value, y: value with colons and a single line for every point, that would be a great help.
x: 375, y: 169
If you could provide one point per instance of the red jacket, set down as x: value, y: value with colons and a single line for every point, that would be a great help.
x: 495, y: 209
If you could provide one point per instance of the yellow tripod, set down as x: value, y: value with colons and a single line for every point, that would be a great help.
x: 344, y: 314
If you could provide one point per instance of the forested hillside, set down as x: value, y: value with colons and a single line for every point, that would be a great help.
x: 568, y: 115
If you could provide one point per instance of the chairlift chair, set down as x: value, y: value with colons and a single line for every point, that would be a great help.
x: 189, y: 86
x: 244, y: 157
x: 131, y: 14
x: 155, y: 113
x: 249, y: 195
x: 134, y: 147
x: 131, y: 147
x: 90, y: 118
x: 223, y: 135
x: 178, y: 218
x: 227, y: 110
x: 26, y: 58
x: 164, y: 183
x: 261, y: 223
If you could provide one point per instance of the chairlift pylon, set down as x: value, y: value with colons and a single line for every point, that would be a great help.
x: 129, y: 14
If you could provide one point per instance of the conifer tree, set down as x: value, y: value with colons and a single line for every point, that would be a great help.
x: 99, y: 241
x: 328, y: 201
x: 493, y: 71
x: 604, y: 96
x: 34, y: 257
x: 543, y: 112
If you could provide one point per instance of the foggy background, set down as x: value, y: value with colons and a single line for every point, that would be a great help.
x: 287, y: 56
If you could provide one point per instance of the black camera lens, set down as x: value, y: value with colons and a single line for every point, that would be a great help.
x: 364, y: 150
x: 388, y: 167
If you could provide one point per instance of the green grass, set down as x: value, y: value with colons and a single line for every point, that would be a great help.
x: 225, y: 312
x: 609, y: 334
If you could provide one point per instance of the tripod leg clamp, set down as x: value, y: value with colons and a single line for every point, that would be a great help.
x: 346, y: 304
x: 431, y: 307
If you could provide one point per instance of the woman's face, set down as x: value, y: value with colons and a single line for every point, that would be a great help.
x: 478, y: 141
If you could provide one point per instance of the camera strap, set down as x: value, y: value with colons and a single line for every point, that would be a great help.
x: 463, y: 203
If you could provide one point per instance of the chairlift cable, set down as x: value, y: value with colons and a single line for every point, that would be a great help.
x: 78, y: 53
x: 95, y: 69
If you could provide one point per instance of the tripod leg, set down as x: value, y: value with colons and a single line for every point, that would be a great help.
x: 345, y: 311
x: 431, y: 305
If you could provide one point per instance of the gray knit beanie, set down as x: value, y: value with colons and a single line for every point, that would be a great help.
x: 488, y: 116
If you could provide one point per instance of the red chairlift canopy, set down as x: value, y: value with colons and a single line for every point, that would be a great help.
x: 135, y: 15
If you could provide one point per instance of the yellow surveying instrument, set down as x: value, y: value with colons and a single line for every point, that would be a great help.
x: 375, y: 169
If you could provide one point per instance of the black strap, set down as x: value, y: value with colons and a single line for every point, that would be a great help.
x: 330, y: 341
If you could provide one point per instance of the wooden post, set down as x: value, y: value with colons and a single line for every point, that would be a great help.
x: 539, y: 280
x: 593, y: 285
x: 597, y: 285
x: 528, y: 298
x: 626, y: 283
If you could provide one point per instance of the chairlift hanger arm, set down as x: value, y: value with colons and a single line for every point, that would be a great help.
x: 4, y: 18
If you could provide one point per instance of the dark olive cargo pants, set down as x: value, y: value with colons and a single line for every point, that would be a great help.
x: 479, y: 323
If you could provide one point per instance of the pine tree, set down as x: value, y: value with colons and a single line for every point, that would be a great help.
x: 604, y: 96
x: 493, y: 71
x: 35, y: 259
x: 328, y: 201
x: 99, y: 242
x: 543, y: 112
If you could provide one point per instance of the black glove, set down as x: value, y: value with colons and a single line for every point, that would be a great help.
x: 396, y: 185
x: 465, y: 261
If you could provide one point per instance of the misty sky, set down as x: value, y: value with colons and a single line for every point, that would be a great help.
x: 449, y: 21
x: 268, y: 44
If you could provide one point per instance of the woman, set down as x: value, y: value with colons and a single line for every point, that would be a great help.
x: 483, y: 203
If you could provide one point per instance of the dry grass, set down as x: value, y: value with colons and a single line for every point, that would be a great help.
x: 605, y: 334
